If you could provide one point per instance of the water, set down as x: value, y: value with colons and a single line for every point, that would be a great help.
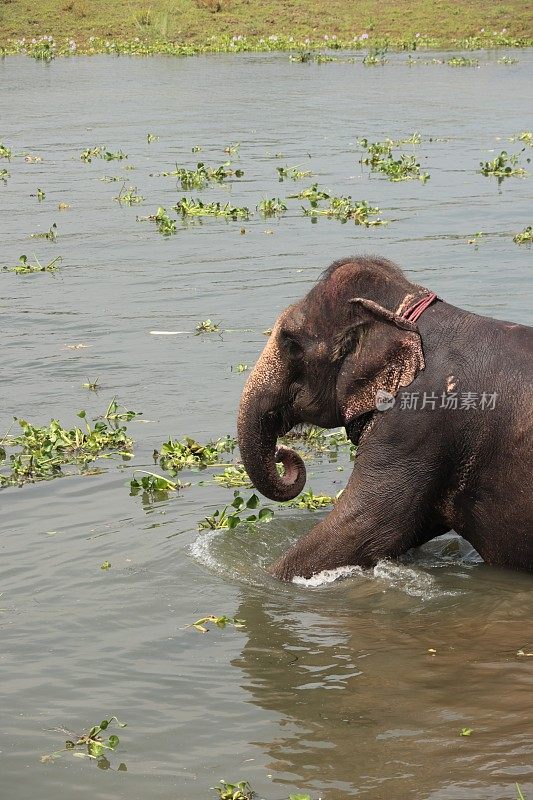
x: 331, y: 688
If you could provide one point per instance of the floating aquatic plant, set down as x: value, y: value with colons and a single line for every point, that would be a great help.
x: 221, y: 622
x: 523, y: 136
x: 153, y: 486
x: 206, y: 326
x: 164, y: 224
x: 461, y: 61
x: 525, y: 237
x: 200, y: 177
x: 196, y: 208
x: 50, y: 234
x: 234, y: 476
x: 100, y: 151
x: 4, y: 174
x: 40, y: 195
x: 25, y: 267
x: 240, y: 368
x: 345, y: 208
x: 380, y: 159
x: 503, y: 166
x: 313, y: 194
x: 376, y: 56
x: 5, y: 152
x: 129, y: 196
x: 232, y: 514
x: 174, y: 456
x: 234, y: 791
x: 293, y: 173
x: 151, y: 137
x: 311, y: 501
x: 90, y: 744
x: 43, y: 451
x: 272, y: 206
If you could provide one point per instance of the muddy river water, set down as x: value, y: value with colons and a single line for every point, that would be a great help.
x: 331, y: 690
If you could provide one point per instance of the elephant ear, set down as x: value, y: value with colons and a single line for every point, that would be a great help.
x: 381, y: 352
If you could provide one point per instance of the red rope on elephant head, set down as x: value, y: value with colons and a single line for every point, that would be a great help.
x: 414, y: 311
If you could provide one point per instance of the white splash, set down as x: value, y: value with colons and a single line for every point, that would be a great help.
x: 396, y: 576
x: 327, y: 576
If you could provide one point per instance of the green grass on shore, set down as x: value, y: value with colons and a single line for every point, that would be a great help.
x: 189, y: 26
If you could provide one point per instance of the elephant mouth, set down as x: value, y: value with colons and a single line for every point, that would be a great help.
x: 360, y: 426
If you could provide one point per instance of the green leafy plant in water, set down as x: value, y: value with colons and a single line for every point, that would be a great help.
x: 461, y: 61
x: 129, y: 196
x: 206, y: 326
x: 51, y: 234
x: 519, y: 793
x: 240, y: 368
x: 345, y: 208
x: 115, y: 414
x: 475, y: 239
x: 151, y: 137
x: 4, y: 175
x: 196, y: 208
x: 313, y: 194
x: 164, y: 224
x: 105, y: 566
x: 231, y: 515
x: 89, y: 153
x: 507, y: 60
x: 272, y: 206
x: 311, y: 501
x: 234, y: 476
x: 92, y: 744
x: 221, y: 622
x: 525, y: 236
x: 43, y: 451
x: 234, y: 791
x: 380, y: 159
x: 293, y: 173
x: 174, y: 456
x: 232, y: 149
x: 466, y: 732
x: 41, y: 194
x: 100, y: 151
x: 376, y: 56
x: 5, y: 152
x: 405, y: 168
x: 153, y: 486
x: 92, y: 386
x: 25, y: 267
x: 503, y: 166
x: 201, y: 176
x: 523, y: 136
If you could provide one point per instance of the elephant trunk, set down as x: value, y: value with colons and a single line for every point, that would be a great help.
x: 259, y: 424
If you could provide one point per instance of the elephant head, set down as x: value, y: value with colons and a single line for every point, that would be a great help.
x: 324, y: 363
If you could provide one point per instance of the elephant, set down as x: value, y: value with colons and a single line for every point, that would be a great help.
x: 454, y: 452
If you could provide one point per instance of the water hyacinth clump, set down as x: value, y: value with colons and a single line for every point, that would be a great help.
x: 188, y: 207
x: 525, y: 236
x: 41, y: 453
x: 174, y: 456
x: 345, y: 208
x: 201, y: 176
x: 503, y: 166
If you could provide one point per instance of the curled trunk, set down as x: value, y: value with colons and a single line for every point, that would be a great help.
x: 259, y: 425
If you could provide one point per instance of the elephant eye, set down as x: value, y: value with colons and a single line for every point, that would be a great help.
x: 291, y: 346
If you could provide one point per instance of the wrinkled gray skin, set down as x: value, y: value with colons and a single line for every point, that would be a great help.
x: 418, y: 473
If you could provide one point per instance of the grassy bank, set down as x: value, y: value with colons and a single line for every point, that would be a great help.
x: 189, y: 26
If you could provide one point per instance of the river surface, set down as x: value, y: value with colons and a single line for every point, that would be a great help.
x: 359, y: 688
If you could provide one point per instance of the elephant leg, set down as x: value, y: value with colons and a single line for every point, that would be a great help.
x: 382, y: 513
